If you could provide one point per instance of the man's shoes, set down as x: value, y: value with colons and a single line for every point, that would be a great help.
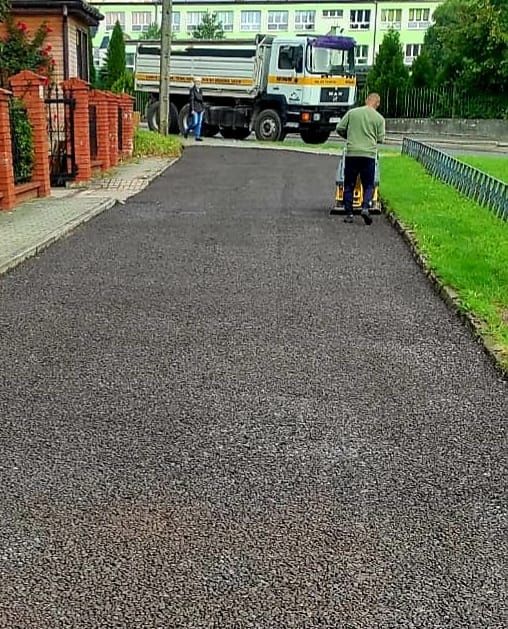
x: 185, y: 135
x: 367, y: 218
x: 348, y: 218
x: 199, y: 139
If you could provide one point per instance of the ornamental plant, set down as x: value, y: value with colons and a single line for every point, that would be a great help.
x: 19, y: 50
x: 22, y: 142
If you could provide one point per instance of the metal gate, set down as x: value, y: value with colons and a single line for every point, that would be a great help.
x: 60, y: 106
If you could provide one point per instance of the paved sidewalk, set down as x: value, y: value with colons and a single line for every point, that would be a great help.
x: 34, y: 225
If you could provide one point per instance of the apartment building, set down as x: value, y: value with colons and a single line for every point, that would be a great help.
x: 366, y: 21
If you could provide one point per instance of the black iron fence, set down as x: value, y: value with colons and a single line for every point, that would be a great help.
x: 141, y: 100
x: 60, y: 105
x: 22, y: 142
x: 475, y: 184
x: 438, y: 103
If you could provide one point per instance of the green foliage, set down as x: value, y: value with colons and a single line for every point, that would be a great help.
x: 463, y: 243
x: 19, y: 51
x: 152, y: 144
x: 210, y: 28
x: 153, y: 32
x: 114, y: 67
x: 388, y: 71
x: 22, y: 142
x: 467, y: 46
x: 125, y: 84
x: 4, y: 9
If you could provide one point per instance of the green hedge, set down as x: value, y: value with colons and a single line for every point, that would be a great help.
x: 23, y: 155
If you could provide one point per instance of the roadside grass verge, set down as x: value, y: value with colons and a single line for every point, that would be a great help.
x: 152, y: 144
x: 464, y: 244
x: 495, y: 166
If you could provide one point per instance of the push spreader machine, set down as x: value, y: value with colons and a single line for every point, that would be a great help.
x: 358, y: 191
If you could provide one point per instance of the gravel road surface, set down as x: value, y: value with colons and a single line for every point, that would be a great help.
x: 222, y: 408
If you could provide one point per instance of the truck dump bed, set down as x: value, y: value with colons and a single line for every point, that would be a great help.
x: 225, y: 68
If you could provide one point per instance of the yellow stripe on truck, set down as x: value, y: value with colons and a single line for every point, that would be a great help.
x: 206, y: 80
x: 312, y: 80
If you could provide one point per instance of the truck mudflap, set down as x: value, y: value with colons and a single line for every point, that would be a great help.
x: 358, y: 191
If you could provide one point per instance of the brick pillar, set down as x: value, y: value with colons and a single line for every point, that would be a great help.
x: 127, y: 104
x: 8, y: 198
x: 79, y: 90
x: 29, y: 88
x: 100, y: 100
x: 113, y: 128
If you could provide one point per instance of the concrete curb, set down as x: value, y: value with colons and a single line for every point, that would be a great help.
x: 447, y: 294
x: 66, y: 228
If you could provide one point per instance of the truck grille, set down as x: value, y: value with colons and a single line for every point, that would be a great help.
x: 334, y: 94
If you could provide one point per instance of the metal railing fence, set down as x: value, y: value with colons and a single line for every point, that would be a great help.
x: 475, y: 184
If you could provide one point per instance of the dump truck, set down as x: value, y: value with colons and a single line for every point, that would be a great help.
x: 269, y: 85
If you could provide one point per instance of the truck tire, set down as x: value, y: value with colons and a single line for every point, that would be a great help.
x: 241, y: 133
x: 152, y: 117
x: 268, y: 126
x: 207, y: 130
x: 313, y: 136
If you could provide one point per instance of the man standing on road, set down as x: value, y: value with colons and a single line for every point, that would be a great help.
x: 363, y: 128
x: 197, y: 109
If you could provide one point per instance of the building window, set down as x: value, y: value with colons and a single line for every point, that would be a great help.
x: 278, y: 20
x: 333, y: 14
x: 362, y: 54
x: 130, y: 58
x: 251, y: 21
x: 141, y: 20
x: 226, y: 19
x: 412, y: 51
x: 391, y: 18
x: 359, y: 19
x: 82, y: 55
x: 113, y: 17
x: 419, y: 18
x: 305, y: 20
x: 194, y: 19
x: 175, y: 21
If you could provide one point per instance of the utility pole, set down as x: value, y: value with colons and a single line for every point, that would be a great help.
x: 166, y: 27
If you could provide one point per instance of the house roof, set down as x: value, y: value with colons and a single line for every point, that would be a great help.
x: 77, y: 8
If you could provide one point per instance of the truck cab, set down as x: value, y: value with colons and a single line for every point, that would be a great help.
x: 313, y: 79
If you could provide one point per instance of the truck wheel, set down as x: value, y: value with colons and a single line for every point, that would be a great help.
x: 182, y: 118
x: 209, y: 130
x: 268, y: 126
x: 313, y: 136
x: 152, y: 117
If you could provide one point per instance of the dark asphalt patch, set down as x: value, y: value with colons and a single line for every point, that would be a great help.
x: 221, y: 407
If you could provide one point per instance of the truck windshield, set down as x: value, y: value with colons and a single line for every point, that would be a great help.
x: 330, y: 61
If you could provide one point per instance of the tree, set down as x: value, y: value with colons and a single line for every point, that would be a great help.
x: 467, y: 46
x: 4, y: 8
x: 153, y: 32
x: 388, y: 71
x: 210, y: 28
x: 114, y: 67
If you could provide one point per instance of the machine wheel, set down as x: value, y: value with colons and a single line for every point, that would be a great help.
x: 268, y: 126
x: 209, y: 130
x: 152, y: 117
x: 182, y: 118
x: 239, y: 133
x: 312, y: 136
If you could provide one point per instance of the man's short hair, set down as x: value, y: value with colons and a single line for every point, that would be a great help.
x: 374, y: 96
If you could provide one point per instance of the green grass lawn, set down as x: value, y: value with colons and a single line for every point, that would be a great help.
x: 152, y: 144
x: 492, y: 165
x: 465, y: 244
